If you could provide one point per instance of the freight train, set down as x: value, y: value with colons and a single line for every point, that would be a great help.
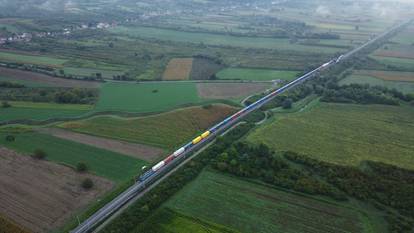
x: 228, y: 121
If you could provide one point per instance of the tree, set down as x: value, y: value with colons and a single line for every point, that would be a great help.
x: 81, y: 167
x: 61, y: 72
x: 111, y: 45
x: 356, y: 27
x: 5, y: 104
x: 99, y: 76
x: 39, y: 154
x: 287, y: 103
x: 87, y: 183
x: 10, y: 138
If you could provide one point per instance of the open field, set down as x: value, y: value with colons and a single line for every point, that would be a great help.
x: 219, y: 40
x: 166, y: 130
x: 405, y: 87
x: 344, y: 134
x: 178, y: 69
x: 168, y: 221
x: 256, y: 74
x: 249, y: 207
x: 31, y: 59
x: 396, y: 51
x: 397, y: 62
x: 146, y: 97
x: 41, y: 195
x: 230, y: 90
x: 113, y: 166
x: 142, y: 152
x: 36, y: 79
x: 387, y: 75
x: 41, y: 111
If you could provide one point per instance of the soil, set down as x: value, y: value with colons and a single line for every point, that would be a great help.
x: 390, y: 75
x: 229, y: 90
x: 178, y: 69
x: 46, y: 79
x: 41, y: 196
x: 139, y: 151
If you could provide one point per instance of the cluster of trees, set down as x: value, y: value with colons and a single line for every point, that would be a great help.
x: 122, y: 77
x: 6, y: 84
x: 57, y: 95
x: 135, y: 216
x: 364, y: 94
x: 259, y: 162
x: 76, y: 96
x: 387, y: 187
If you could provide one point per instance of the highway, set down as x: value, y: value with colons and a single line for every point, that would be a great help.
x: 140, y: 187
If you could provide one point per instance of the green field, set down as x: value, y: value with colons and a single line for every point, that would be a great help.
x: 31, y: 59
x: 166, y: 130
x: 344, y: 134
x: 104, y: 163
x: 248, y: 207
x: 42, y: 111
x: 214, y: 39
x: 256, y: 74
x: 405, y: 87
x: 146, y: 97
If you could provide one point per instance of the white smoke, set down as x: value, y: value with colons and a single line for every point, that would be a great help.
x: 323, y: 10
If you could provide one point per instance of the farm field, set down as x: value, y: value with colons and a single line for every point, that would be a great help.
x: 166, y: 130
x: 388, y: 75
x: 111, y: 165
x: 79, y: 71
x: 235, y: 91
x: 403, y: 63
x: 31, y: 59
x: 344, y: 134
x: 139, y: 151
x: 224, y: 40
x: 218, y: 198
x: 146, y: 97
x: 178, y: 69
x: 42, y: 111
x: 256, y: 74
x: 40, y: 195
x: 405, y: 87
x: 32, y: 79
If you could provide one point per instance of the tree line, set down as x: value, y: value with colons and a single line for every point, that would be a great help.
x: 57, y: 95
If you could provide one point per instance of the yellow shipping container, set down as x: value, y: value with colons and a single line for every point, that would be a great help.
x: 205, y: 134
x: 197, y: 140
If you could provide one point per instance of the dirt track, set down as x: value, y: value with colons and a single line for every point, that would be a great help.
x: 41, y: 195
x: 45, y: 79
x: 229, y: 90
x: 139, y: 151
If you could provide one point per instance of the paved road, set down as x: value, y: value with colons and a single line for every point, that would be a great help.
x: 138, y: 189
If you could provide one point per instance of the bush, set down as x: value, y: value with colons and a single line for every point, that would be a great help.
x: 5, y: 104
x: 87, y: 183
x: 207, y: 106
x: 39, y: 154
x: 10, y: 138
x: 81, y: 167
x: 287, y: 103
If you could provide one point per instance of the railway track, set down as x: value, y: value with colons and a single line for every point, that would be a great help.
x: 161, y: 170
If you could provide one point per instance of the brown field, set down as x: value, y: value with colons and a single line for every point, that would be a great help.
x: 400, y: 53
x: 178, y: 69
x: 46, y: 79
x: 388, y: 75
x: 40, y: 195
x: 144, y: 152
x: 229, y: 90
